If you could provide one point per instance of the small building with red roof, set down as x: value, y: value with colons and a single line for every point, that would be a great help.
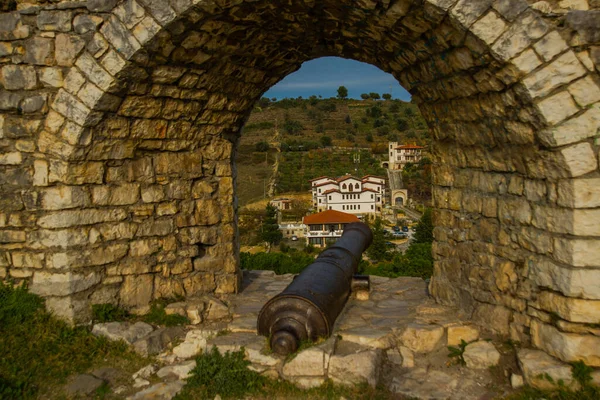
x: 402, y: 154
x: 325, y: 228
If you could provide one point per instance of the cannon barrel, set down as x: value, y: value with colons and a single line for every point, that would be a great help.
x: 309, y: 306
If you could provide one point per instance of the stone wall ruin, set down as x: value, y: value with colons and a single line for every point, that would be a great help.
x: 119, y: 123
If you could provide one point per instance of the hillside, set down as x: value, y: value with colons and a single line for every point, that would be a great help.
x: 319, y: 137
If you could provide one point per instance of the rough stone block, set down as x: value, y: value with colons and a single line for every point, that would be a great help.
x: 574, y: 310
x: 572, y: 282
x: 558, y: 107
x: 535, y: 364
x: 579, y: 193
x: 585, y: 91
x: 17, y: 77
x: 55, y: 21
x: 456, y: 333
x: 481, y: 355
x: 577, y: 252
x: 65, y: 219
x: 52, y: 284
x: 136, y: 291
x: 39, y: 51
x: 355, y: 366
x: 569, y: 347
x: 422, y: 338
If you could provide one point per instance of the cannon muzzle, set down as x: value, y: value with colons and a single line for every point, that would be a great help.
x: 309, y: 306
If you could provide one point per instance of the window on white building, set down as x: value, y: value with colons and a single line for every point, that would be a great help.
x: 344, y: 186
x: 319, y: 201
x: 356, y: 186
x: 343, y: 208
x: 329, y: 197
x: 330, y: 207
x: 372, y: 197
x: 372, y: 207
x: 319, y: 191
x: 315, y: 241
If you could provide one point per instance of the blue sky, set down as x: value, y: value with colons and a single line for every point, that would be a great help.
x: 324, y: 75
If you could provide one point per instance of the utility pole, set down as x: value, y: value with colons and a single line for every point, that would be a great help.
x: 356, y: 161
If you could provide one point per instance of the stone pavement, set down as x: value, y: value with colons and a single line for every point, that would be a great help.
x: 398, y: 338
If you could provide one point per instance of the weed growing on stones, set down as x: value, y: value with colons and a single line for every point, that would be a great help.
x: 581, y: 373
x: 226, y: 375
x: 158, y: 316
x: 457, y: 353
x: 102, y: 313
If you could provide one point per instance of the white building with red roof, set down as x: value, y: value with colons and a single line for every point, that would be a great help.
x: 402, y: 154
x: 348, y: 194
x: 326, y: 227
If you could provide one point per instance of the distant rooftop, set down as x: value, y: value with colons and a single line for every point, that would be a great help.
x: 329, y: 217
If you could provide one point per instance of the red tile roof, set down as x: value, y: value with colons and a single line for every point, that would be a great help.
x: 346, y: 177
x: 324, y: 183
x: 331, y: 191
x: 409, y: 147
x: 329, y: 217
x: 321, y: 177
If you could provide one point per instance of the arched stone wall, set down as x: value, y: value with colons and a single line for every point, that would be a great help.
x: 121, y: 118
x: 403, y: 194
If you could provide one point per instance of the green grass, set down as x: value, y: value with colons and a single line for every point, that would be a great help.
x: 157, y: 315
x: 38, y: 352
x: 228, y: 376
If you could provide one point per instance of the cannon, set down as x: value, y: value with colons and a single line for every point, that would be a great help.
x: 309, y: 306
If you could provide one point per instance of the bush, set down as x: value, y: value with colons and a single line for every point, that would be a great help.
x: 158, y: 316
x: 226, y: 375
x: 326, y: 141
x: 102, y: 313
x: 38, y: 351
x: 327, y: 107
x: 259, y: 126
x: 278, y: 262
x: 261, y: 146
x: 292, y: 127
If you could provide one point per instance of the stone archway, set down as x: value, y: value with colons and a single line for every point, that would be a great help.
x: 123, y: 190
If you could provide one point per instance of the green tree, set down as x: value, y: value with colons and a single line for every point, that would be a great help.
x: 292, y: 127
x: 342, y: 93
x: 270, y: 232
x: 375, y: 112
x: 326, y: 141
x: 386, y: 96
x: 365, y: 96
x: 409, y: 112
x: 394, y: 108
x: 374, y: 96
x: 264, y: 102
x: 424, y: 230
x: 378, y: 250
x: 261, y: 146
x: 369, y: 137
x: 348, y: 119
x: 401, y: 124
